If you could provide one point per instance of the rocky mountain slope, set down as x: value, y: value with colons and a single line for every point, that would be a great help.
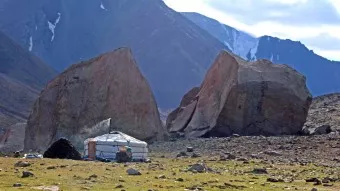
x: 170, y: 50
x: 22, y: 76
x: 108, y: 86
x: 237, y: 41
x: 245, y: 98
x: 322, y: 75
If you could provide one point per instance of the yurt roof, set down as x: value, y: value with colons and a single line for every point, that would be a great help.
x: 116, y: 136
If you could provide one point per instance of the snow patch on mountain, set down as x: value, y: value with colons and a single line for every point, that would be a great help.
x: 102, y: 6
x: 228, y: 45
x: 52, y: 26
x: 253, y: 52
x: 243, y: 44
x: 238, y: 42
x: 30, y: 48
x: 272, y: 57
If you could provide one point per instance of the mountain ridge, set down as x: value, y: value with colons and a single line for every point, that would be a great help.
x: 171, y: 50
x: 322, y: 74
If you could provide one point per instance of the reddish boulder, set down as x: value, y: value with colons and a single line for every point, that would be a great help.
x: 245, y: 98
x: 109, y: 86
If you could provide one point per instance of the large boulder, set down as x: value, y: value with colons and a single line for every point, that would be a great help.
x: 245, y: 98
x: 109, y: 86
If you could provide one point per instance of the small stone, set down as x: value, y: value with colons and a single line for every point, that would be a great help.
x: 235, y: 136
x: 182, y: 154
x: 242, y: 159
x: 51, y: 167
x: 255, y: 156
x: 93, y: 176
x: 17, y: 185
x: 314, y: 189
x: 223, y: 158
x: 147, y: 161
x: 22, y: 164
x: 162, y: 177
x: 312, y: 180
x: 119, y: 186
x: 197, y: 168
x: 133, y: 172
x: 274, y: 180
x: 272, y: 153
x: 327, y: 185
x: 231, y: 157
x: 195, y: 155
x: 180, y: 180
x: 260, y: 171
x: 326, y: 180
x: 26, y: 174
x: 317, y: 183
x: 190, y: 149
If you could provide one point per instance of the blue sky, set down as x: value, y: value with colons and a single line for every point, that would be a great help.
x: 316, y: 23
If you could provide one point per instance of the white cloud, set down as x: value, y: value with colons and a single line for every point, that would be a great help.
x: 299, y: 20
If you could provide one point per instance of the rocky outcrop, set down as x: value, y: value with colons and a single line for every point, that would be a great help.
x: 109, y: 86
x: 237, y: 97
x: 186, y: 100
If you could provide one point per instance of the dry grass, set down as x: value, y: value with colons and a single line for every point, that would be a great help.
x: 227, y: 175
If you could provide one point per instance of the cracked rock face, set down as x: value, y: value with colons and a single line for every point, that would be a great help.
x: 245, y: 98
x: 109, y: 86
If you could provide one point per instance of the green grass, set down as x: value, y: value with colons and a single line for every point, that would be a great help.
x: 229, y: 175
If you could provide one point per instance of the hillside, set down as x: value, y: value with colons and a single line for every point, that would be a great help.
x: 22, y: 76
x: 173, y: 53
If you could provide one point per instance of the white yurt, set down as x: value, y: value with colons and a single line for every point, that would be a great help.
x: 106, y: 146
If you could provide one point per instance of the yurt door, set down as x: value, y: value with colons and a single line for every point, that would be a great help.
x: 92, y: 150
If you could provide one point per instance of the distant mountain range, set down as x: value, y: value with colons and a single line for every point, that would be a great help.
x: 22, y: 76
x: 173, y: 52
x: 323, y: 75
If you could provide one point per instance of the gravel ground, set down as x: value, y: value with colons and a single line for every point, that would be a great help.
x: 322, y: 149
